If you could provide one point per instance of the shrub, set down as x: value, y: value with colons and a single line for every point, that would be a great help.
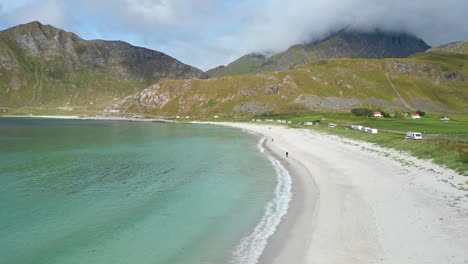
x: 362, y: 111
x: 385, y: 114
x: 421, y: 113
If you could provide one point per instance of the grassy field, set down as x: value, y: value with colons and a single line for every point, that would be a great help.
x: 457, y: 127
x: 453, y: 155
x: 450, y: 154
x: 429, y: 124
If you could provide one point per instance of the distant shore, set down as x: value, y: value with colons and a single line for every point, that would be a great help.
x: 101, y: 117
x: 354, y: 202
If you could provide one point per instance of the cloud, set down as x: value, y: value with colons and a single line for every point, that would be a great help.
x: 193, y: 31
x: 206, y: 33
x: 281, y: 25
x: 150, y: 15
x: 48, y: 12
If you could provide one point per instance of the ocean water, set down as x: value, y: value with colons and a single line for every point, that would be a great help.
x: 74, y: 191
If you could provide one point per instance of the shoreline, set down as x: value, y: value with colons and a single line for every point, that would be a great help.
x: 284, y: 246
x: 288, y: 244
x: 98, y: 118
x: 354, y: 202
x: 252, y: 246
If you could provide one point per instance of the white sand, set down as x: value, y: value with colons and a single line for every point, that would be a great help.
x: 354, y: 202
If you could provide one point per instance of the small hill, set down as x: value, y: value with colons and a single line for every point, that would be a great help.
x: 454, y: 47
x: 245, y: 64
x: 344, y: 44
x: 432, y: 81
x: 46, y: 69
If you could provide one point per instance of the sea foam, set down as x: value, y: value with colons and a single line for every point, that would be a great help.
x: 252, y: 246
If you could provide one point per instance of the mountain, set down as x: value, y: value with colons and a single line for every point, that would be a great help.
x: 46, y: 69
x: 453, y: 47
x: 343, y: 44
x: 245, y: 64
x: 431, y: 81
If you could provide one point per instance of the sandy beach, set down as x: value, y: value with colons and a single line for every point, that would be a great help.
x: 354, y: 202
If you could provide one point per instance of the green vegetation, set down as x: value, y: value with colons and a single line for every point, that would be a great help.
x: 454, y: 47
x: 337, y: 85
x: 450, y: 154
x: 245, y: 64
x: 453, y: 155
x: 45, y: 70
x: 421, y: 113
x: 362, y: 111
x: 458, y: 125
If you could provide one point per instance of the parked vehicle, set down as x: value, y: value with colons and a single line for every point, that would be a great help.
x: 413, y: 135
x: 331, y: 125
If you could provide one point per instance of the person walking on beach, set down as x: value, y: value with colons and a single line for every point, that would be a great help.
x: 271, y: 140
x: 287, y: 154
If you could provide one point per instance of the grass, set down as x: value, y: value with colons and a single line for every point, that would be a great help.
x: 325, y: 86
x: 243, y: 65
x: 430, y: 124
x: 453, y: 155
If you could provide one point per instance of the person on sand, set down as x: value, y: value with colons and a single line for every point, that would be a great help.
x: 271, y: 140
x: 287, y: 154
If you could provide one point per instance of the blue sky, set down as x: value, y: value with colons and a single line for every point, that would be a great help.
x: 208, y: 33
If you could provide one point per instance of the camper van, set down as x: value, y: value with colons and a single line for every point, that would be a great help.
x: 413, y: 135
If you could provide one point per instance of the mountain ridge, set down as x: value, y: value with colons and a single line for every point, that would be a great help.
x: 342, y: 44
x: 452, y: 47
x: 45, y: 67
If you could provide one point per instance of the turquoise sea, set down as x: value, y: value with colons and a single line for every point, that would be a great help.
x: 75, y: 191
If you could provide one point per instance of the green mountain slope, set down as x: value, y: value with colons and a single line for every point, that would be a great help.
x: 436, y: 82
x: 245, y: 64
x: 454, y: 47
x: 344, y: 44
x: 45, y: 69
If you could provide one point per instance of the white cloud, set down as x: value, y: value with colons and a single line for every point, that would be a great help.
x: 146, y: 16
x: 282, y: 24
x: 48, y: 12
x: 206, y: 33
x: 159, y: 12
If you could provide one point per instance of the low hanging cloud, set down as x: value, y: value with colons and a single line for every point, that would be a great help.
x: 299, y: 21
x: 206, y: 33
